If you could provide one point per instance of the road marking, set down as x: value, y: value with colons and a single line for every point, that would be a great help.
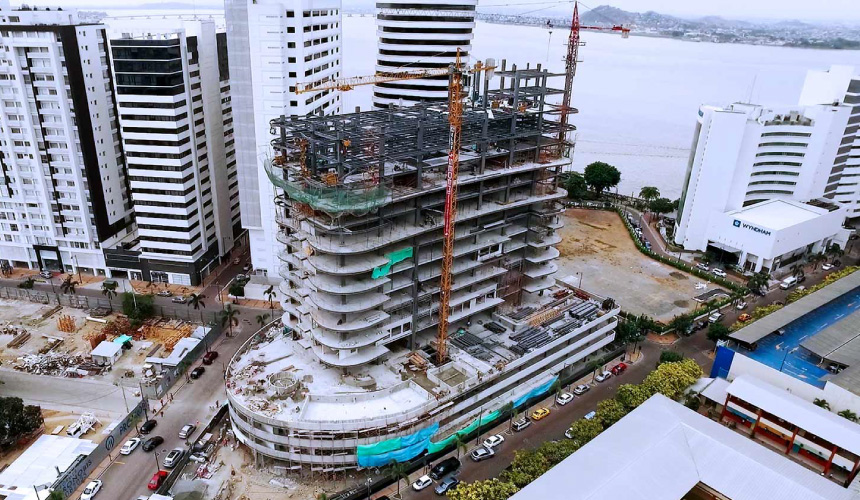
x: 118, y: 462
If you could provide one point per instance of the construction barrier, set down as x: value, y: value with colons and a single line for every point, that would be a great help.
x: 393, y: 258
x: 399, y: 449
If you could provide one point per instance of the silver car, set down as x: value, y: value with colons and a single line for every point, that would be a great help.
x: 173, y: 458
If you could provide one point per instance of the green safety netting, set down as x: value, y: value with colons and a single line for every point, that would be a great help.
x: 448, y: 441
x: 331, y: 199
x: 399, y: 449
x: 393, y: 258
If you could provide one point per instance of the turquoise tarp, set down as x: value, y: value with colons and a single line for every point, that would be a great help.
x: 537, y: 391
x: 448, y: 441
x: 401, y: 455
x: 399, y: 449
x: 393, y: 258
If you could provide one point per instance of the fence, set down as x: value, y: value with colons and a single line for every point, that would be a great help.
x: 180, y: 467
x: 80, y: 470
x: 170, y: 374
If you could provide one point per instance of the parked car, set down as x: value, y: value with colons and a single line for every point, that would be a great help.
x: 197, y: 372
x: 827, y: 266
x: 148, y: 426
x: 421, y: 483
x: 444, y: 468
x: 603, y: 376
x: 590, y: 415
x: 151, y: 443
x: 173, y: 458
x: 713, y: 318
x: 618, y: 369
x: 91, y: 489
x: 540, y: 414
x: 129, y: 446
x: 179, y: 299
x: 564, y: 398
x: 236, y: 261
x: 481, y: 454
x: 494, y: 441
x: 741, y: 306
x: 157, y: 479
x: 521, y: 424
x: 743, y: 318
x: 801, y: 278
x: 165, y: 293
x: 246, y: 267
x: 788, y: 282
x: 46, y: 274
x: 209, y: 357
x: 581, y: 389
x: 187, y: 430
x: 703, y: 267
x: 446, y: 484
x: 780, y: 332
x: 719, y: 272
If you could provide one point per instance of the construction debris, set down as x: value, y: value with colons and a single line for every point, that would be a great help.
x: 56, y: 364
x: 19, y: 339
x: 66, y: 323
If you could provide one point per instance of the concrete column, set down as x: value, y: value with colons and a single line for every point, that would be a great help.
x: 755, y: 424
x: 791, y: 443
x: 830, y: 460
x: 758, y: 264
x: 743, y: 259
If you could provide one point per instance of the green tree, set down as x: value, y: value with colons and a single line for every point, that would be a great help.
x: 196, y: 301
x: 757, y: 282
x: 797, y: 270
x: 649, y: 193
x: 490, y: 489
x: 593, y: 366
x: 69, y: 285
x: 271, y: 294
x: 631, y: 395
x: 692, y: 401
x: 670, y: 357
x: 848, y: 414
x: 822, y: 403
x: 262, y: 319
x: 230, y: 317
x: 137, y: 307
x: 672, y: 379
x: 56, y: 495
x: 27, y: 284
x: 17, y: 420
x: 718, y: 331
x: 527, y: 466
x: 816, y: 259
x: 556, y: 388
x: 460, y: 444
x: 629, y: 331
x: 237, y: 289
x: 109, y: 291
x: 556, y: 451
x: 512, y: 412
x: 610, y: 411
x: 574, y: 184
x: 834, y: 251
x: 681, y: 324
x: 582, y: 431
x: 660, y: 206
x: 398, y: 472
x: 601, y: 176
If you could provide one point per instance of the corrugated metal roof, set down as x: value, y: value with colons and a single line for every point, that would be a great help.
x: 662, y: 449
x: 773, y: 322
x: 840, y: 342
x: 802, y: 413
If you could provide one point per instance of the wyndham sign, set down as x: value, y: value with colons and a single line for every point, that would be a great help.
x: 744, y: 225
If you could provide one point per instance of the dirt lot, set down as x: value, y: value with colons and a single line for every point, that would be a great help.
x: 596, y: 244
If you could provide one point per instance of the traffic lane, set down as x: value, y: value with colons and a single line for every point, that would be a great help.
x: 547, y: 429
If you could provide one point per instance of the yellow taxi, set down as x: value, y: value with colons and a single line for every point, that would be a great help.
x: 540, y: 413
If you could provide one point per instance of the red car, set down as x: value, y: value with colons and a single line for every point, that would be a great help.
x: 209, y: 357
x: 618, y: 369
x: 157, y: 479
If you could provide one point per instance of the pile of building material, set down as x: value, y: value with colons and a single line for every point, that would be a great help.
x: 51, y: 343
x: 66, y: 323
x: 55, y: 364
x: 10, y: 329
x: 264, y: 406
x: 19, y: 339
x: 167, y: 331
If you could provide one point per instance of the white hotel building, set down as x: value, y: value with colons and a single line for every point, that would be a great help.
x: 63, y: 190
x: 745, y: 156
x: 173, y: 93
x: 274, y: 45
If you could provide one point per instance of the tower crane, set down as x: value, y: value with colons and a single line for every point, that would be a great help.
x: 455, y: 120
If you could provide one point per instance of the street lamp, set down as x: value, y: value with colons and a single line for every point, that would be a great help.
x: 78, y: 267
x: 157, y: 463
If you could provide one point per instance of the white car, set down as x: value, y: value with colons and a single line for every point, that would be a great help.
x: 703, y: 267
x: 713, y: 318
x: 581, y: 389
x: 564, y: 398
x: 91, y: 489
x: 421, y: 483
x: 601, y: 377
x: 494, y: 441
x: 129, y: 446
x: 828, y: 267
x: 742, y: 306
x: 590, y: 415
x: 719, y: 272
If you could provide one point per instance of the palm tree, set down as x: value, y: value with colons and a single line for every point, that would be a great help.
x: 515, y: 413
x: 821, y: 403
x: 649, y: 193
x: 797, y: 270
x: 196, y: 301
x: 398, y: 472
x: 815, y: 259
x: 68, y: 285
x: 271, y: 294
x: 757, y: 281
x: 230, y: 316
x: 109, y: 291
x: 593, y: 366
x: 850, y: 415
x: 55, y: 495
x: 834, y: 251
x: 556, y: 388
x: 460, y: 444
x: 262, y: 319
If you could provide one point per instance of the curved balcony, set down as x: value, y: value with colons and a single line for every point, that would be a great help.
x: 355, y: 265
x: 335, y: 323
x: 346, y: 286
x: 540, y: 270
x: 355, y: 304
x: 544, y: 241
x: 544, y: 255
x: 362, y: 357
x: 533, y: 285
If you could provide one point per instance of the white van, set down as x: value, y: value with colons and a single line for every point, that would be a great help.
x: 788, y: 282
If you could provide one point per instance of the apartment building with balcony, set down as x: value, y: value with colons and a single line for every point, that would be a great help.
x: 63, y: 188
x: 274, y: 45
x: 173, y: 92
x: 420, y: 34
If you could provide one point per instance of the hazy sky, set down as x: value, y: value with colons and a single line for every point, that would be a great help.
x: 734, y: 9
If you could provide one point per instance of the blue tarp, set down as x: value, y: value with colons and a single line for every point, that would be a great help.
x: 419, y: 436
x: 399, y: 449
x: 401, y: 455
x: 537, y: 391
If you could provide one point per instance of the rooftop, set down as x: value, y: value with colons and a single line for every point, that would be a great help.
x: 666, y: 450
x: 839, y: 343
x: 37, y: 466
x: 778, y: 214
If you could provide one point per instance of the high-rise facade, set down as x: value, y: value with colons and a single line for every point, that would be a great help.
x: 275, y: 45
x: 840, y: 84
x: 172, y: 87
x: 420, y: 34
x: 63, y: 188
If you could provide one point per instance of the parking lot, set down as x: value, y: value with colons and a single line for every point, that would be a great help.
x: 597, y: 249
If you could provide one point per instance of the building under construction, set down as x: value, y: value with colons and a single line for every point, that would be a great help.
x: 352, y: 379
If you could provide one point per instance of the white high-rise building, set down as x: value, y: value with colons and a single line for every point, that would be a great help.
x: 172, y: 88
x: 63, y: 189
x: 420, y: 34
x: 840, y: 84
x: 746, y: 156
x: 274, y: 45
